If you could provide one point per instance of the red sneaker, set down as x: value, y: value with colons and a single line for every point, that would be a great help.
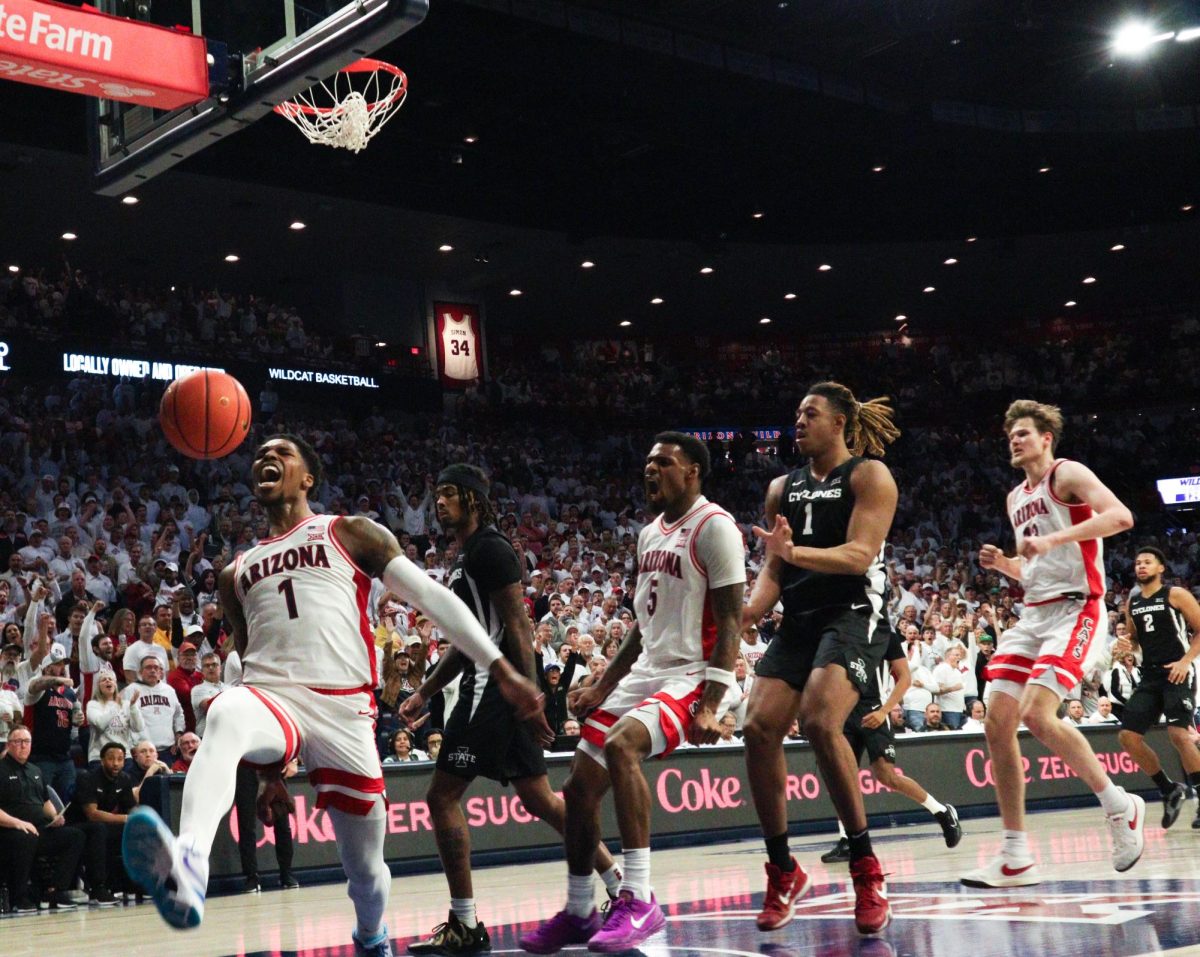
x: 784, y: 888
x: 872, y: 912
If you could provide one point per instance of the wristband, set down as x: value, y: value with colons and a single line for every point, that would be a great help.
x: 719, y: 676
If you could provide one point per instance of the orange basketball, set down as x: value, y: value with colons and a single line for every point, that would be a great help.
x: 206, y: 414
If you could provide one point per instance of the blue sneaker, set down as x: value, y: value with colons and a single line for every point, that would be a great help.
x: 380, y: 946
x: 172, y: 871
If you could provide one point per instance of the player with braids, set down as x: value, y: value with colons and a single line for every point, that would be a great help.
x: 828, y: 523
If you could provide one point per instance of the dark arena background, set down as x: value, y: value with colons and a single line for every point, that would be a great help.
x: 569, y: 226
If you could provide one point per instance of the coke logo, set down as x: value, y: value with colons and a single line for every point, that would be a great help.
x: 708, y: 793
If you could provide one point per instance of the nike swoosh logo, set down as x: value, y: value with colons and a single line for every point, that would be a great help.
x: 1013, y: 871
x: 639, y: 924
x: 858, y: 607
x: 1133, y: 823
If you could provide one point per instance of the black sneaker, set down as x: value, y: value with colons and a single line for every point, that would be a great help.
x: 21, y: 908
x: 1173, y: 804
x: 839, y: 852
x: 452, y: 938
x: 252, y: 886
x: 287, y: 882
x: 56, y: 901
x: 103, y: 897
x: 951, y: 829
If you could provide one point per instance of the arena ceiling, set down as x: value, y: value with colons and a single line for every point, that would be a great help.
x: 875, y: 135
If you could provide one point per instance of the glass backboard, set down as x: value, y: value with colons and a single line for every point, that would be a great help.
x: 261, y: 52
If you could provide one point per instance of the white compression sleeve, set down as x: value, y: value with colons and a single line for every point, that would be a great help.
x: 443, y: 607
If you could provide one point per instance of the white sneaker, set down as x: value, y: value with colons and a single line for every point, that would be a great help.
x: 1002, y: 872
x: 172, y: 871
x: 1128, y: 833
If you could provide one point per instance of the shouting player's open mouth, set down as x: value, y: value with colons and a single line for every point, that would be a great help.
x: 269, y: 476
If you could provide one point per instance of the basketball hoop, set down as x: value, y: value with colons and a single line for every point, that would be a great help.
x: 349, y: 108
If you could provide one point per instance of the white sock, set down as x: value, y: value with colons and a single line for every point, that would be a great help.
x: 637, y: 872
x: 841, y: 830
x: 932, y: 804
x: 464, y: 909
x: 1015, y: 846
x: 612, y: 880
x: 1113, y: 799
x: 581, y: 895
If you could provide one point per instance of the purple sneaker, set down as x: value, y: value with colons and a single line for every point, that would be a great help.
x: 561, y: 930
x: 629, y: 922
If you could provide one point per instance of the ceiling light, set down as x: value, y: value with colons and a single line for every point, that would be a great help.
x: 824, y: 267
x: 1186, y: 36
x: 172, y: 289
x: 445, y: 248
x: 656, y: 301
x: 758, y: 215
x: 14, y: 268
x: 69, y: 236
x: 764, y: 321
x: 1136, y: 37
x: 296, y: 225
x: 470, y: 140
x: 901, y: 318
x: 789, y: 295
x: 1088, y: 280
x: 878, y: 169
x: 1070, y: 303
x: 514, y: 292
x: 929, y: 289
x: 381, y: 345
x: 586, y: 264
x: 625, y: 323
x: 950, y: 262
x: 231, y: 258
x: 971, y: 239
x: 130, y: 200
x: 705, y: 270
x: 1187, y: 208
x: 1117, y: 248
x: 1045, y: 169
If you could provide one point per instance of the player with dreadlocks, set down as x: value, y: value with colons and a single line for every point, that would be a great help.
x: 483, y: 736
x: 828, y: 522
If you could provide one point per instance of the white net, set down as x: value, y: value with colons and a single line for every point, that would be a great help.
x: 348, y: 109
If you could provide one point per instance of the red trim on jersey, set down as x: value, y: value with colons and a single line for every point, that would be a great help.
x: 345, y: 779
x: 603, y: 717
x: 291, y: 733
x: 682, y: 709
x: 282, y: 535
x: 1016, y: 668
x: 1089, y: 550
x: 1025, y: 484
x: 708, y: 628
x: 345, y: 803
x: 692, y: 542
x: 362, y: 582
x: 1049, y: 480
x: 667, y: 529
x: 1068, y: 667
x: 361, y: 689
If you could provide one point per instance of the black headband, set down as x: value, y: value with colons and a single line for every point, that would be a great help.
x: 465, y: 476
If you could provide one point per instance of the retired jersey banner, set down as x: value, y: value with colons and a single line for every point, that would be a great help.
x: 457, y: 331
x: 701, y: 791
x: 81, y: 50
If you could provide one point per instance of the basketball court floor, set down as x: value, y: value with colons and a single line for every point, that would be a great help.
x: 712, y: 893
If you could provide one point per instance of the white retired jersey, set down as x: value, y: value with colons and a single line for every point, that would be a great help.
x: 1076, y: 568
x: 305, y: 604
x: 459, y: 347
x: 677, y: 566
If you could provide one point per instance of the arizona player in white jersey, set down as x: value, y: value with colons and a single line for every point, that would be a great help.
x: 665, y: 683
x: 1059, y: 516
x: 297, y: 602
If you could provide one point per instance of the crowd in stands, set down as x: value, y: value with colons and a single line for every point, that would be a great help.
x: 114, y: 644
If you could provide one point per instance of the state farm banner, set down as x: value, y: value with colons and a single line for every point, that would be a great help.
x: 459, y: 339
x: 695, y: 790
x: 81, y: 50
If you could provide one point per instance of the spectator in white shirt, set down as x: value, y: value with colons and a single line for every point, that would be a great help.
x: 1103, y: 713
x: 160, y: 707
x: 950, y: 677
x: 976, y: 714
x: 209, y: 688
x: 65, y: 562
x: 11, y: 710
x: 919, y: 696
x: 1074, y: 713
x: 144, y: 647
x: 96, y: 583
x: 111, y: 719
